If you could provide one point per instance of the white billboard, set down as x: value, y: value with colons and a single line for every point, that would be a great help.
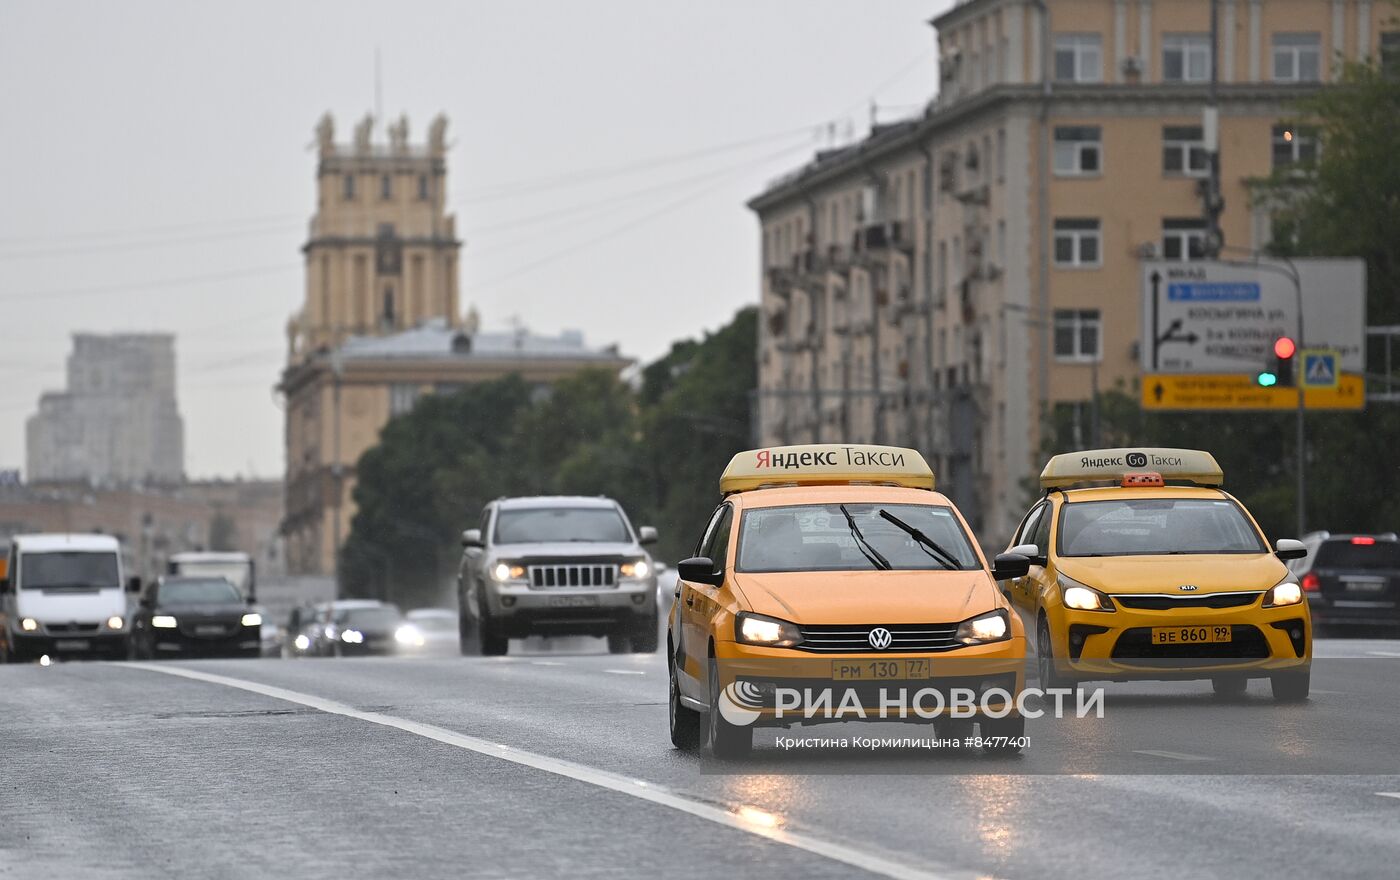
x: 1223, y: 317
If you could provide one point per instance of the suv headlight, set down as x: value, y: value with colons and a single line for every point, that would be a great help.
x: 252, y: 618
x: 1083, y: 598
x: 163, y: 621
x: 755, y: 629
x: 990, y: 627
x: 507, y: 571
x: 635, y: 569
x: 1285, y: 592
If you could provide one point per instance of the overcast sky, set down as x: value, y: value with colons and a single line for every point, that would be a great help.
x: 156, y: 171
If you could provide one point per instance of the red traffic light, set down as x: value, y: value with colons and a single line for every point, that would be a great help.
x: 1284, y: 347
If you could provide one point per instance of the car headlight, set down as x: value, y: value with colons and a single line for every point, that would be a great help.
x: 1083, y: 598
x: 1284, y: 593
x: 508, y: 571
x: 301, y: 642
x: 252, y: 618
x: 990, y: 627
x: 754, y: 629
x: 408, y: 634
x: 164, y: 621
x: 329, y: 631
x: 115, y: 622
x: 637, y: 569
x: 29, y: 624
x: 352, y: 637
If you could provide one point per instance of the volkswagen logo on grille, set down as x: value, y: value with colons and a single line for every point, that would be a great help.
x: 1187, y: 588
x: 880, y: 638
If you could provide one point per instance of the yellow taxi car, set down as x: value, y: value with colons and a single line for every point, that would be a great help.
x: 1142, y: 567
x: 839, y: 566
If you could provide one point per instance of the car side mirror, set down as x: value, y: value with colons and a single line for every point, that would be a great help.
x: 1008, y: 566
x: 133, y: 584
x: 471, y: 539
x: 699, y: 570
x: 1030, y: 551
x: 1287, y: 548
x: 646, y: 535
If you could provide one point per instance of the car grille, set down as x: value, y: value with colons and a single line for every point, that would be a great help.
x: 1135, y: 647
x: 588, y: 575
x: 855, y: 638
x: 70, y: 629
x: 205, y: 629
x: 1213, y: 600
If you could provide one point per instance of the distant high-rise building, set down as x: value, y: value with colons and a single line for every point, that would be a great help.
x: 118, y: 422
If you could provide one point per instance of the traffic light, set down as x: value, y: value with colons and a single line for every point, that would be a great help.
x: 1284, y: 350
x: 1266, y: 379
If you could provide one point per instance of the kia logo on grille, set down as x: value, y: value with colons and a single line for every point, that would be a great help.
x: 880, y: 638
x: 1188, y: 588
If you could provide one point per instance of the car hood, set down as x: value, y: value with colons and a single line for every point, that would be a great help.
x: 1213, y: 573
x: 64, y: 606
x: 827, y: 597
x: 557, y: 549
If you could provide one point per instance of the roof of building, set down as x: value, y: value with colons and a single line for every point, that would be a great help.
x: 60, y: 541
x: 434, y: 339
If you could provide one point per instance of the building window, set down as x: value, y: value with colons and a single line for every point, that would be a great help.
x: 1297, y: 57
x: 1077, y: 149
x: 1184, y: 151
x: 386, y: 186
x: 402, y: 397
x: 1390, y: 53
x: 1184, y: 239
x: 349, y: 186
x: 1077, y: 242
x: 1078, y: 58
x: 423, y: 187
x: 1186, y: 57
x: 1294, y: 145
x: 1077, y: 334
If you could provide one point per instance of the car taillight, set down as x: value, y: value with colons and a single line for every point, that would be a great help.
x: 1363, y: 541
x: 1310, y: 583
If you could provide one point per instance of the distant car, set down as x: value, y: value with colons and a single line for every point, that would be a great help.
x: 195, y: 617
x: 361, y: 629
x: 556, y: 566
x: 1351, y: 580
x: 300, y: 632
x: 438, y: 626
x: 272, y: 635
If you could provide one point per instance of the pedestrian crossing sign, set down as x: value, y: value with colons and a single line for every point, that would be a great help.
x: 1321, y: 367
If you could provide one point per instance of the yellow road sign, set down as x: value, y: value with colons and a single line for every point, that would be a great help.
x: 1160, y: 391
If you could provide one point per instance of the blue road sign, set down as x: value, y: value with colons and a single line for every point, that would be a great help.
x: 1321, y: 368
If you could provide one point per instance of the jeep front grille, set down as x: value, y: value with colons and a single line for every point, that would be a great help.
x: 587, y: 575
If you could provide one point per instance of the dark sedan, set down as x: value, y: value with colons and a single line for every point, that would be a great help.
x: 1351, y: 580
x: 369, y: 629
x: 195, y: 617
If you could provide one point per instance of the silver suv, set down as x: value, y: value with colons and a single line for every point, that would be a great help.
x: 556, y: 566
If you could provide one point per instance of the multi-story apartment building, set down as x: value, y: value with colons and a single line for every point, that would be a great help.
x: 954, y: 280
x: 380, y: 326
x: 117, y: 423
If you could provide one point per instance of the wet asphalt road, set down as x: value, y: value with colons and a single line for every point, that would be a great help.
x: 392, y: 767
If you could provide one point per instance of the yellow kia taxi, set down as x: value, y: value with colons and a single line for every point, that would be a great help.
x: 837, y: 573
x: 1142, y: 567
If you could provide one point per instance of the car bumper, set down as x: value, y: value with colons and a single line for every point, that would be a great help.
x: 109, y: 644
x: 177, y: 644
x: 524, y: 611
x: 1118, y: 645
x: 886, y: 686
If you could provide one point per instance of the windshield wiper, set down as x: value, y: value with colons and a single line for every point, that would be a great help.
x: 876, y: 559
x: 930, y: 546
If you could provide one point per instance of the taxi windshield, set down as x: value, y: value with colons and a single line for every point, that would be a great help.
x: 819, y: 537
x: 1156, y: 527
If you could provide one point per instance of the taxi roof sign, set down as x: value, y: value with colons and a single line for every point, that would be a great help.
x: 1098, y: 465
x: 825, y: 463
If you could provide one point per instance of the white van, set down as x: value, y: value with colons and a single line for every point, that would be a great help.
x: 64, y: 594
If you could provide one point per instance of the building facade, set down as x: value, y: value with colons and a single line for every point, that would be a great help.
x: 957, y: 280
x: 118, y: 423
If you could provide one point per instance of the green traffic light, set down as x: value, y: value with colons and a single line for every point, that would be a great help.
x: 1266, y: 379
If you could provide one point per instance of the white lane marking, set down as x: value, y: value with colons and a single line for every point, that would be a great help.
x: 1174, y: 756
x: 545, y: 663
x: 741, y: 818
x: 625, y: 671
x: 1389, y: 794
x: 1384, y: 653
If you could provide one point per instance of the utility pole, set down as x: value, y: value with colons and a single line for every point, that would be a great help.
x: 1212, y: 202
